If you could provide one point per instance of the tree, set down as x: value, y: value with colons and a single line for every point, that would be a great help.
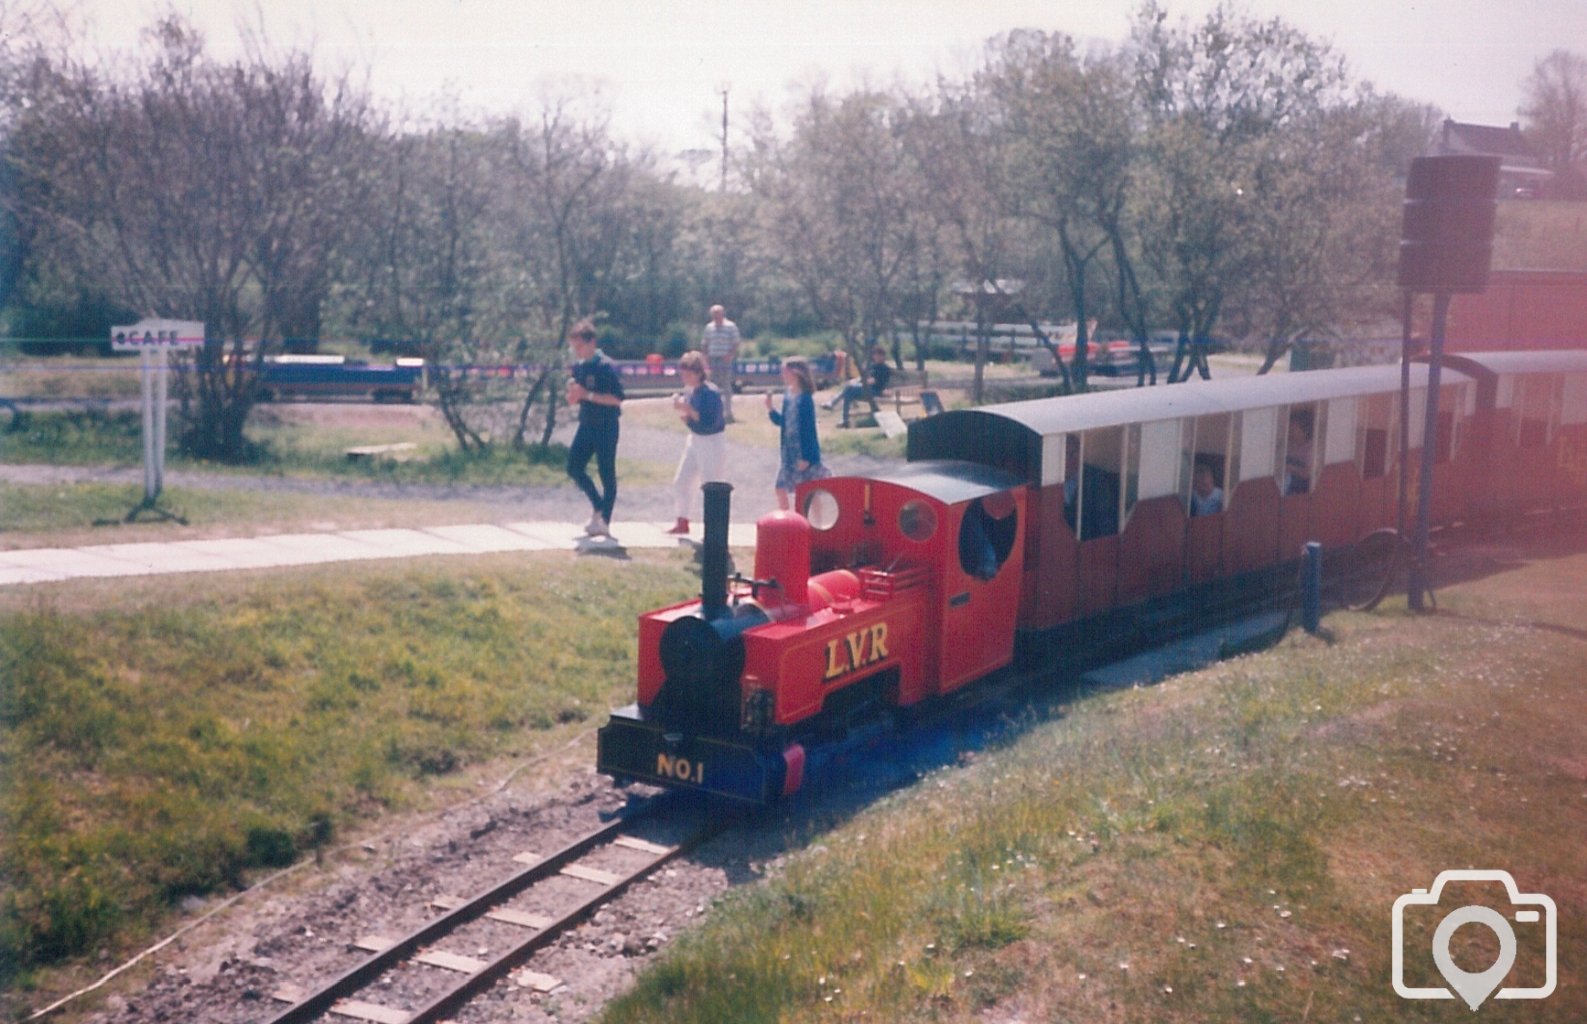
x: 431, y: 268
x: 1226, y: 103
x: 568, y: 231
x: 1071, y: 123
x: 198, y: 191
x: 964, y: 157
x: 1323, y: 222
x: 842, y: 208
x: 1555, y: 111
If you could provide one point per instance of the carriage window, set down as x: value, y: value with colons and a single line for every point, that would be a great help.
x: 1418, y: 420
x: 1573, y: 401
x: 986, y: 535
x: 1161, y: 465
x: 1155, y: 464
x: 1298, y: 457
x: 1205, y: 461
x: 1092, y: 478
x: 1452, y: 412
x: 1530, y: 416
x: 1375, y: 435
x: 1258, y: 443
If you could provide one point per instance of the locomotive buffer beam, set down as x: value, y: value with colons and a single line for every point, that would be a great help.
x: 628, y: 747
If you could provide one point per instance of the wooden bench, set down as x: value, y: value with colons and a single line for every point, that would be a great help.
x: 910, y: 387
x: 397, y: 452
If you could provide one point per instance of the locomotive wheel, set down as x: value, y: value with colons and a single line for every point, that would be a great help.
x: 1374, y: 564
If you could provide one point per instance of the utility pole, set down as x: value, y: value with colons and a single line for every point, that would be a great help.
x: 724, y: 138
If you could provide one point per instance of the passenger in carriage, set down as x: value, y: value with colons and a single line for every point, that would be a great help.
x: 1206, y: 497
x: 1298, y: 452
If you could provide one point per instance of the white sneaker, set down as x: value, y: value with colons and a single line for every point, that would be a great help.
x: 597, y: 526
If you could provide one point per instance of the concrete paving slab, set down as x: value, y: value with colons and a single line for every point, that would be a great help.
x: 316, y: 548
x: 241, y: 552
x: 644, y: 535
x: 1190, y: 653
x: 551, y: 536
x: 402, y: 543
x: 66, y: 563
x: 86, y: 562
x: 15, y: 574
x: 486, y: 538
x: 162, y: 558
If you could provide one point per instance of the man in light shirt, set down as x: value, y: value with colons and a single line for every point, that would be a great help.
x: 720, y: 345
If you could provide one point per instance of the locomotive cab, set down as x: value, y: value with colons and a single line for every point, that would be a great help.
x: 880, y: 592
x: 946, y: 533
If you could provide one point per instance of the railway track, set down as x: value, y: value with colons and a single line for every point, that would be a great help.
x: 429, y: 973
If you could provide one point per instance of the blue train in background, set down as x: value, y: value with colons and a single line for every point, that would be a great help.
x: 323, y: 378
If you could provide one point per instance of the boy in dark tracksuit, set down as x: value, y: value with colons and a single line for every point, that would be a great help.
x: 598, y: 392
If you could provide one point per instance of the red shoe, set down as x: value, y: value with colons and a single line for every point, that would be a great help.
x: 681, y: 527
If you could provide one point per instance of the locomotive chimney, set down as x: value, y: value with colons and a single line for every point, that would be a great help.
x: 713, y: 554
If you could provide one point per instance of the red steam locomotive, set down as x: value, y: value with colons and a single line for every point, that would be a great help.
x: 1055, y: 532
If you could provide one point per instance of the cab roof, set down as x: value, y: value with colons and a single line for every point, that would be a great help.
x: 950, y: 482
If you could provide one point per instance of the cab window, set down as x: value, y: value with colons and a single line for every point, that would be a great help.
x: 986, y: 535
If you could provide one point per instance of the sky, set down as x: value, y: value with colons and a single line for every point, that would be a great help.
x: 662, y: 65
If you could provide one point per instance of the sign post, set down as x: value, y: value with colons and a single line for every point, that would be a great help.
x: 153, y: 340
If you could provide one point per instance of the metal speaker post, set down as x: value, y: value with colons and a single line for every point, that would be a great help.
x: 1446, y: 247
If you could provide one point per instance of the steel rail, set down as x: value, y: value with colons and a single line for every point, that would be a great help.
x: 360, y: 975
x: 449, y: 1001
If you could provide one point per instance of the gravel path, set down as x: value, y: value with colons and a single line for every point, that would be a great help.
x: 751, y: 468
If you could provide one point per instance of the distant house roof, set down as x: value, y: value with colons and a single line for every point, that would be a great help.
x: 1516, y: 158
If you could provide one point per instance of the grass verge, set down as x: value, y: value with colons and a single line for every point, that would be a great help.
x: 283, y: 445
x: 162, y: 737
x: 1225, y: 846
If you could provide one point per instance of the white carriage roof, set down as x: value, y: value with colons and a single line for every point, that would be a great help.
x: 1201, y: 398
x: 1507, y: 363
x: 1016, y: 436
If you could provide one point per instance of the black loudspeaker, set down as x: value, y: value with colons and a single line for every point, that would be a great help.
x: 1446, y: 243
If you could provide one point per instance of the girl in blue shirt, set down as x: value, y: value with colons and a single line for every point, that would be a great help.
x: 801, y: 449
